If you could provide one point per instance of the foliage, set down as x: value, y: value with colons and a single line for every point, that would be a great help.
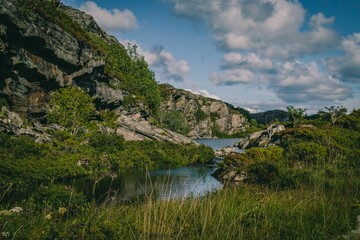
x: 307, y: 152
x: 245, y: 212
x: 71, y: 108
x: 269, y: 154
x: 132, y: 74
x: 175, y: 121
x: 332, y: 113
x: 351, y: 121
x: 24, y: 161
x: 107, y: 143
x: 53, y: 197
x: 244, y: 112
x: 200, y: 115
x: 296, y: 114
x: 3, y: 103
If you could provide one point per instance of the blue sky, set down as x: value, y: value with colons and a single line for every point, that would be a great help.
x: 257, y: 54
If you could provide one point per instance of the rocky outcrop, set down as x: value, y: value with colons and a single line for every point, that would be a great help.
x: 207, y: 117
x: 38, y: 56
x: 261, y: 138
x: 135, y: 130
x: 221, y: 153
x: 11, y: 122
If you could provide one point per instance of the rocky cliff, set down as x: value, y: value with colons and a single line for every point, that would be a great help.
x: 45, y: 46
x: 206, y: 117
x: 38, y: 56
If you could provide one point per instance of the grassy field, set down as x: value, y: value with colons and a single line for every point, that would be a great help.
x: 245, y: 212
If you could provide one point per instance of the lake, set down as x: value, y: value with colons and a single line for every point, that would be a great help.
x: 183, y: 182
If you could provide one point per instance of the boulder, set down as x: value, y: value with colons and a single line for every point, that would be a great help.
x: 133, y: 130
x: 261, y: 138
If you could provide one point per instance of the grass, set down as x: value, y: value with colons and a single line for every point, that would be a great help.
x: 233, y: 213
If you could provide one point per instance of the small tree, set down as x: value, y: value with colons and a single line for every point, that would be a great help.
x: 296, y: 114
x: 335, y: 112
x: 71, y: 108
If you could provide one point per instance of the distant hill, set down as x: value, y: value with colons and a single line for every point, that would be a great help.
x: 270, y: 116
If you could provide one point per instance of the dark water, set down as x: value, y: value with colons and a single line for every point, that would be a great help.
x: 192, y: 181
x: 162, y: 184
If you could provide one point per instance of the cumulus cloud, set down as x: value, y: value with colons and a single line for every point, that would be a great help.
x: 347, y: 67
x: 203, y: 93
x: 271, y: 27
x: 232, y: 77
x: 171, y: 69
x: 297, y: 82
x: 112, y: 20
x: 234, y: 60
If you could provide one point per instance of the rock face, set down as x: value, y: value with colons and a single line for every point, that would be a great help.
x: 38, y: 56
x: 10, y: 122
x: 135, y: 130
x: 261, y: 138
x: 207, y: 117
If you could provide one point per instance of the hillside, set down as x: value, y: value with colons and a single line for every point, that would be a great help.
x: 206, y: 117
x: 46, y: 46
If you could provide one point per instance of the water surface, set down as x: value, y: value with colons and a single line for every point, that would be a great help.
x: 183, y: 182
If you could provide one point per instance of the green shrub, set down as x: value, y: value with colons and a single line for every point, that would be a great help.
x: 71, y: 108
x: 175, y: 121
x: 53, y: 197
x: 3, y: 103
x: 200, y: 115
x: 269, y: 154
x: 307, y: 152
x: 263, y: 173
x: 107, y: 143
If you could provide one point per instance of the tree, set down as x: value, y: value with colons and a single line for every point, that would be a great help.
x: 336, y: 112
x: 71, y: 108
x: 296, y: 114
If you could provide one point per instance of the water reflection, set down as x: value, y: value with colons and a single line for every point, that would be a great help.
x: 162, y: 184
x: 193, y: 181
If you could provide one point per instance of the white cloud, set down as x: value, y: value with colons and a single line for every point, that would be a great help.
x: 270, y: 27
x: 171, y: 69
x: 232, y: 77
x: 203, y: 93
x: 112, y: 20
x: 296, y: 82
x: 347, y: 67
x: 250, y: 61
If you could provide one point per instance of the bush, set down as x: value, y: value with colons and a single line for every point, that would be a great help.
x: 71, y: 108
x: 263, y: 173
x: 54, y: 197
x: 107, y: 143
x: 3, y: 103
x: 269, y: 154
x: 307, y: 152
x: 175, y: 121
x: 200, y: 115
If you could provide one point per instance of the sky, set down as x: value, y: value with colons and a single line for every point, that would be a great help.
x: 256, y: 54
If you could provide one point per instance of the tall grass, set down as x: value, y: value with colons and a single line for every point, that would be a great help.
x: 245, y: 212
